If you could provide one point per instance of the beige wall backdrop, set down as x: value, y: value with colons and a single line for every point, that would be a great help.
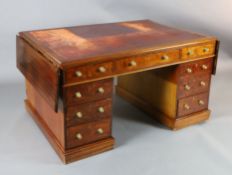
x: 204, y: 16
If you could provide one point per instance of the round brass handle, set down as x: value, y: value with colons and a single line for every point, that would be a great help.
x: 101, y: 109
x: 206, y: 49
x: 165, y: 57
x: 101, y: 90
x: 187, y: 87
x: 204, y: 67
x: 102, y: 69
x: 186, y: 106
x: 78, y: 95
x: 78, y: 73
x: 202, y: 83
x: 133, y: 63
x: 190, y: 52
x: 189, y: 70
x: 100, y: 131
x: 79, y: 136
x: 79, y: 114
x: 201, y: 102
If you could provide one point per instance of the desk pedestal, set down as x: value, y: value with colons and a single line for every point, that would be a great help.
x: 53, y: 126
x: 177, y: 96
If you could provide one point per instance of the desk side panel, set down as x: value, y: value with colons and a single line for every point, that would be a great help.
x: 54, y: 121
x: 43, y: 75
x: 158, y: 92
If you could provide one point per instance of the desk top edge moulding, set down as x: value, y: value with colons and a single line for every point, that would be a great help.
x: 69, y: 72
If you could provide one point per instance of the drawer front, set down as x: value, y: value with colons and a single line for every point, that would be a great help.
x: 193, y: 85
x: 147, y: 60
x: 95, y: 71
x: 198, y: 51
x: 87, y: 133
x: 89, y: 112
x: 86, y: 72
x: 87, y: 92
x: 192, y: 104
x: 201, y: 66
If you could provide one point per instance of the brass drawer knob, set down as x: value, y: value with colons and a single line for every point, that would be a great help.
x: 190, y: 52
x: 204, y: 67
x: 187, y: 87
x: 79, y: 114
x: 164, y: 57
x: 133, y: 63
x: 78, y: 73
x: 101, y: 109
x: 100, y: 131
x: 186, y: 106
x: 189, y: 70
x: 79, y: 136
x: 78, y: 95
x: 202, y: 83
x: 206, y: 49
x: 102, y: 69
x: 201, y: 102
x: 101, y: 90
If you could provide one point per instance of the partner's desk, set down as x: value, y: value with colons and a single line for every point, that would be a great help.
x: 69, y: 79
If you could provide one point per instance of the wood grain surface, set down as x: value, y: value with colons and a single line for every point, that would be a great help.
x: 89, y: 92
x: 44, y: 76
x: 82, y: 44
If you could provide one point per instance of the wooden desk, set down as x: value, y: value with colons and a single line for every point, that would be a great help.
x: 69, y: 71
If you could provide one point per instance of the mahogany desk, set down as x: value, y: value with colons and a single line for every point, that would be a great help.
x: 69, y: 71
